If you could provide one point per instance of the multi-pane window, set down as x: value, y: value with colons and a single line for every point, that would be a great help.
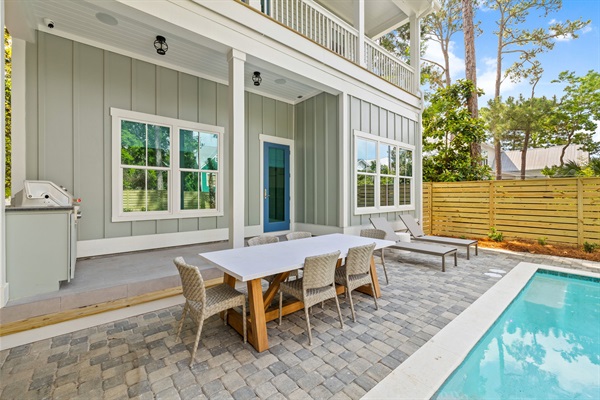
x: 384, y: 174
x: 152, y: 180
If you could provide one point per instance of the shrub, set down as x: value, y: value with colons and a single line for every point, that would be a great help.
x: 495, y: 235
x: 542, y: 241
x: 590, y: 247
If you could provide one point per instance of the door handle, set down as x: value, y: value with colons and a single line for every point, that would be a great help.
x: 265, y: 194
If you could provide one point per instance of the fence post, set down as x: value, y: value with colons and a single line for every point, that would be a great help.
x: 492, y: 209
x: 579, y: 211
x: 430, y: 208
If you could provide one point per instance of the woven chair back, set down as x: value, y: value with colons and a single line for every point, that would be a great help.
x: 191, y: 281
x: 373, y: 233
x: 358, y: 260
x: 262, y: 239
x: 298, y: 235
x: 319, y: 271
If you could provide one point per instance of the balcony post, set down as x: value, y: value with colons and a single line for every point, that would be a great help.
x: 415, y: 54
x: 359, y: 24
x: 237, y: 148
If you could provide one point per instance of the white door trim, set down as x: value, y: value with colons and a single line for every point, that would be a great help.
x: 286, y: 142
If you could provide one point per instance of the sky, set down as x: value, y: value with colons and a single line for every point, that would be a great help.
x: 579, y: 55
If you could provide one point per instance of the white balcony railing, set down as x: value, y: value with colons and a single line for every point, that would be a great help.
x: 388, y: 66
x: 317, y: 24
x: 325, y: 28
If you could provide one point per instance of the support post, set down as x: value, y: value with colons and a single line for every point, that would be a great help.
x: 359, y: 24
x: 236, y: 137
x: 3, y: 283
x: 415, y: 50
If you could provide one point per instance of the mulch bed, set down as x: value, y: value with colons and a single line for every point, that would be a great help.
x: 528, y: 246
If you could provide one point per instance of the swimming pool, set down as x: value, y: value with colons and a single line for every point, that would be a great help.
x: 546, y: 344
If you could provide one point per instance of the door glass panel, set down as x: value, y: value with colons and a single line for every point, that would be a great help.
x: 276, y: 189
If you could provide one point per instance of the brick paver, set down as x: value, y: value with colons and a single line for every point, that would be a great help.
x: 140, y: 357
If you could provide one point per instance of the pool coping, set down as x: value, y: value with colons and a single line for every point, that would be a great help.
x: 426, y: 370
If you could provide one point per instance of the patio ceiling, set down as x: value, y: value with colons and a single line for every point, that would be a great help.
x: 116, y: 27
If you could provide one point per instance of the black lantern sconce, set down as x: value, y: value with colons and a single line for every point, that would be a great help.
x: 256, y: 78
x: 161, y: 46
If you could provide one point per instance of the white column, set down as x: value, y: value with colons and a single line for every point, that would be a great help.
x: 359, y: 24
x: 346, y: 189
x: 3, y: 283
x: 237, y: 160
x: 415, y: 46
x: 17, y: 131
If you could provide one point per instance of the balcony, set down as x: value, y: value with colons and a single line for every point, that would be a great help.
x: 330, y: 31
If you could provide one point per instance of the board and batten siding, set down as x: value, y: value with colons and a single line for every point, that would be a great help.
x: 70, y: 90
x: 369, y: 118
x: 317, y: 169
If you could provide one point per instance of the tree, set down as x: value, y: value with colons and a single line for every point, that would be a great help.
x: 513, y: 39
x: 528, y: 120
x: 448, y: 131
x: 573, y: 120
x: 471, y: 67
x: 7, y: 107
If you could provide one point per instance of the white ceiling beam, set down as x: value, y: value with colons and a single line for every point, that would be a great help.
x: 19, y: 20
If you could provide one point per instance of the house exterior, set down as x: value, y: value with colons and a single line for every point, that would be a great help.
x: 251, y: 120
x: 537, y: 160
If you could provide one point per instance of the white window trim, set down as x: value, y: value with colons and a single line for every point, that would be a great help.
x: 379, y: 209
x: 174, y: 209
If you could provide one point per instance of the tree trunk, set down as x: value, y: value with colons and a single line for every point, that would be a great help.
x: 524, y: 152
x: 446, y: 62
x: 497, y: 142
x: 471, y: 69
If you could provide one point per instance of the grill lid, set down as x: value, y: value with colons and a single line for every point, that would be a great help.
x: 43, y: 193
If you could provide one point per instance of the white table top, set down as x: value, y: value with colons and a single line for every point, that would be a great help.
x: 247, y: 263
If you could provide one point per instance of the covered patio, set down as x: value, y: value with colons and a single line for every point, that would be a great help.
x: 139, y: 357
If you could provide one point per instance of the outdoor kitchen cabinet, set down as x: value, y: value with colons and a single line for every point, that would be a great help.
x: 39, y: 249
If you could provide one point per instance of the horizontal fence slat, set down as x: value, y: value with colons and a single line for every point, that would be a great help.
x: 565, y: 210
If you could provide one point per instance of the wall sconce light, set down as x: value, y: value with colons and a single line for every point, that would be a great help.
x: 256, y: 78
x: 161, y: 46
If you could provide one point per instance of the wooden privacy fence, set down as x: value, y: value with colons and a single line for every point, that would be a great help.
x: 561, y: 210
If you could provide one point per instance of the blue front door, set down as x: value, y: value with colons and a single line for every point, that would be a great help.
x: 276, y: 190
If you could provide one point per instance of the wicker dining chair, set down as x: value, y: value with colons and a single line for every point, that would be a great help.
x: 201, y: 303
x: 356, y: 272
x: 316, y: 285
x: 298, y: 235
x: 377, y: 234
x: 260, y: 240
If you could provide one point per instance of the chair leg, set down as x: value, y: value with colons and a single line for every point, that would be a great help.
x: 244, y: 321
x: 200, y: 323
x: 225, y: 317
x: 349, y: 295
x: 280, y: 305
x: 387, y: 281
x: 182, y: 319
x: 337, y: 304
x: 373, y: 288
x: 308, y: 326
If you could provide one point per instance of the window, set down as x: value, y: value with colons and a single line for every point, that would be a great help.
x: 384, y: 174
x: 152, y: 180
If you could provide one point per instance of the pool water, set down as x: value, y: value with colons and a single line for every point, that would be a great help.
x: 546, y: 345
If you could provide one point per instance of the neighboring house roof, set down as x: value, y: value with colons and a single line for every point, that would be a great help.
x: 538, y: 159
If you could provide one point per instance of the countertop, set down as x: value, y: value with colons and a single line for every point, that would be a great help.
x: 38, y: 208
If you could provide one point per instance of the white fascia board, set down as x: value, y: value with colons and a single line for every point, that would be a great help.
x: 258, y: 41
x: 19, y: 20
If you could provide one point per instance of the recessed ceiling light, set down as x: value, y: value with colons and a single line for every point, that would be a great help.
x: 106, y: 19
x: 280, y: 81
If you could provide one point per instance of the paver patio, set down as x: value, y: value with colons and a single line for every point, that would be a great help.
x: 139, y: 357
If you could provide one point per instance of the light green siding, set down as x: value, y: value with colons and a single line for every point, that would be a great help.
x: 70, y: 90
x: 375, y: 120
x: 317, y: 165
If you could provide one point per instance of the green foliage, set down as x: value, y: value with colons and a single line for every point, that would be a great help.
x: 589, y: 247
x: 542, y: 241
x: 7, y: 106
x: 448, y: 131
x: 572, y: 169
x: 521, y: 115
x: 495, y: 235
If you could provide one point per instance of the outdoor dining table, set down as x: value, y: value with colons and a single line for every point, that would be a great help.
x: 250, y: 264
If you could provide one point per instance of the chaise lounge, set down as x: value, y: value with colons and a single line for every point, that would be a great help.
x: 417, y: 233
x: 423, y: 248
